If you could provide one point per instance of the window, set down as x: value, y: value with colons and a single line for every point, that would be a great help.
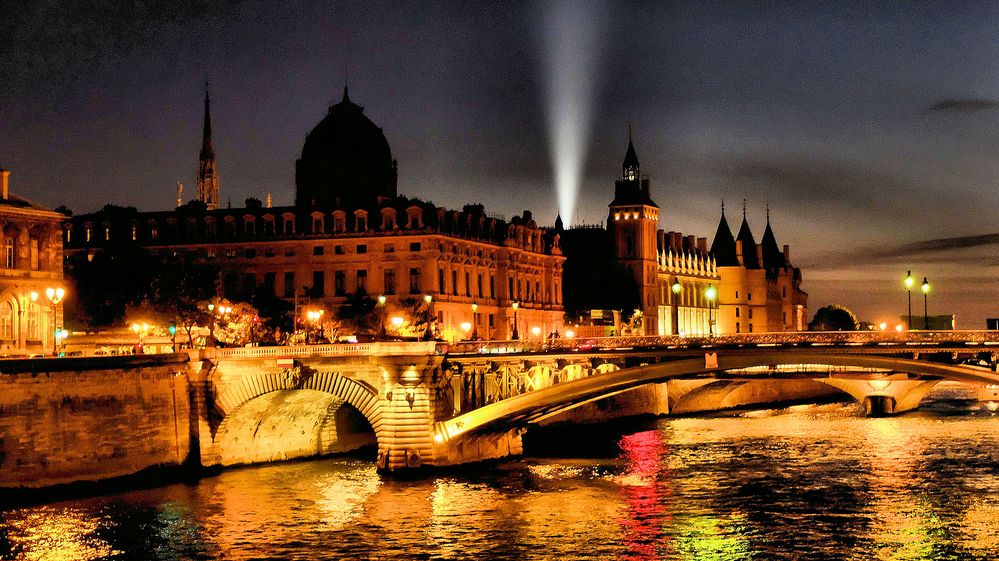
x: 230, y: 285
x: 362, y: 248
x: 749, y: 296
x: 34, y: 317
x: 492, y: 286
x: 361, y: 222
x: 11, y: 255
x: 269, y: 281
x: 7, y: 321
x: 338, y: 250
x: 339, y: 222
x: 492, y: 321
x: 317, y: 223
x: 750, y: 328
x: 317, y: 250
x: 362, y: 280
x: 783, y: 292
x: 738, y: 328
x: 87, y: 236
x: 250, y: 253
x: 737, y: 294
x: 537, y: 290
x: 389, y: 248
x: 318, y: 283
x: 479, y: 284
x: 135, y: 232
x: 289, y: 252
x: 107, y: 232
x: 737, y: 312
x: 750, y: 313
x: 414, y: 281
x: 440, y: 281
x: 510, y: 282
x: 468, y: 284
x: 415, y: 246
x: 249, y: 283
x: 390, y: 282
x: 340, y: 284
x: 249, y: 226
x: 289, y: 284
x: 454, y: 282
x: 289, y: 224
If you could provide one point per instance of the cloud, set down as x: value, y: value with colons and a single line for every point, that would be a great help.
x: 963, y: 105
x: 961, y: 249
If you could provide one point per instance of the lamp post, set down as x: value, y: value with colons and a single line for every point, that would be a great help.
x: 710, y: 293
x: 926, y: 292
x: 54, y: 296
x: 428, y: 335
x: 676, y: 288
x: 381, y: 315
x: 516, y: 334
x: 475, y: 321
x: 909, y: 281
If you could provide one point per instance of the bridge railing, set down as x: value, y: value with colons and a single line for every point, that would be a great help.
x: 803, y: 338
x: 392, y: 348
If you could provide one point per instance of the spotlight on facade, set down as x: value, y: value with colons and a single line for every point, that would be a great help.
x: 536, y: 331
x: 396, y: 322
x: 570, y: 333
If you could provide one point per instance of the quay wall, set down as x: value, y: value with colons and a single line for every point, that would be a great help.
x: 88, y: 419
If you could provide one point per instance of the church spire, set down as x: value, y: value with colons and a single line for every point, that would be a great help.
x: 630, y: 167
x: 208, y: 179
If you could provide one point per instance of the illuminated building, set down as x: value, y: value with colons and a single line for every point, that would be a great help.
x: 349, y: 232
x: 676, y: 282
x: 32, y: 264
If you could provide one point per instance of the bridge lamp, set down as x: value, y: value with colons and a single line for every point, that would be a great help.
x: 475, y: 321
x: 882, y: 326
x: 428, y: 335
x: 211, y: 307
x: 879, y: 385
x: 54, y: 295
x: 381, y: 299
x: 926, y: 291
x: 898, y: 328
x: 711, y: 293
x: 909, y: 282
x: 570, y: 333
x: 516, y: 334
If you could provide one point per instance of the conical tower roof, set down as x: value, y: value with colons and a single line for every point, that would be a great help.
x: 723, y: 246
x: 745, y: 236
x: 773, y: 258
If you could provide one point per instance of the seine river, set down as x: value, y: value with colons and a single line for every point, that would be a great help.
x: 808, y: 482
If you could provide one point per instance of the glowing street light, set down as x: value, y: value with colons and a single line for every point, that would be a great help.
x: 54, y: 296
x: 711, y: 293
x: 428, y: 335
x: 536, y: 331
x: 475, y: 321
x: 516, y: 334
x: 396, y: 321
x: 909, y: 281
x: 926, y: 291
x: 381, y: 315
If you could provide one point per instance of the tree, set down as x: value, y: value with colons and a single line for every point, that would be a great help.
x: 239, y: 326
x: 180, y: 291
x: 359, y: 312
x: 833, y: 318
x: 108, y: 281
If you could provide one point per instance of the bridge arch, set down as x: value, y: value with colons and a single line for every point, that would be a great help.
x: 292, y: 414
x: 526, y: 408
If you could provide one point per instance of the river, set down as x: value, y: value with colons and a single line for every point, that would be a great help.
x: 805, y: 482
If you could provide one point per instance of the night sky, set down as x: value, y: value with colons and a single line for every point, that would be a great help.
x: 872, y: 131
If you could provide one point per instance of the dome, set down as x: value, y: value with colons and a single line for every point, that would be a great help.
x: 345, y: 161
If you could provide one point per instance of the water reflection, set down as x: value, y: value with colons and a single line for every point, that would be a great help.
x: 802, y: 483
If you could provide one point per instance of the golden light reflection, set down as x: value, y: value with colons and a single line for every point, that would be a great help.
x: 58, y: 534
x: 343, y: 495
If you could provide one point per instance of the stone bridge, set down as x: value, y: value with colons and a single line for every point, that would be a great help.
x: 437, y: 405
x: 430, y: 404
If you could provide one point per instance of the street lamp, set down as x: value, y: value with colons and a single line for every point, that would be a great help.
x: 926, y: 291
x: 677, y: 287
x: 475, y: 321
x: 516, y: 334
x: 54, y: 296
x: 909, y: 281
x: 428, y: 335
x: 710, y: 293
x: 315, y: 316
x: 381, y: 314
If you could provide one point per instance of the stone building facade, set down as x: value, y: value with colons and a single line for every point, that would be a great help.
x: 32, y: 264
x: 350, y: 231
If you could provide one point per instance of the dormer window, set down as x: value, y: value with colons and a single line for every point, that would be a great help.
x: 317, y: 223
x: 360, y: 221
x: 289, y: 223
x: 388, y: 219
x: 339, y: 222
x: 249, y: 225
x: 414, y: 215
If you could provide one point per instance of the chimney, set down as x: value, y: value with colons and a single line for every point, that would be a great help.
x: 759, y: 254
x: 5, y: 183
x: 660, y: 240
x: 691, y: 243
x: 738, y: 251
x: 702, y: 246
x: 787, y: 255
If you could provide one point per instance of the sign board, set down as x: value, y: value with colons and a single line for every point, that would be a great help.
x: 710, y: 360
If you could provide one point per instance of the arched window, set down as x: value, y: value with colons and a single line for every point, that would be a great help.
x: 34, y: 321
x: 7, y: 321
